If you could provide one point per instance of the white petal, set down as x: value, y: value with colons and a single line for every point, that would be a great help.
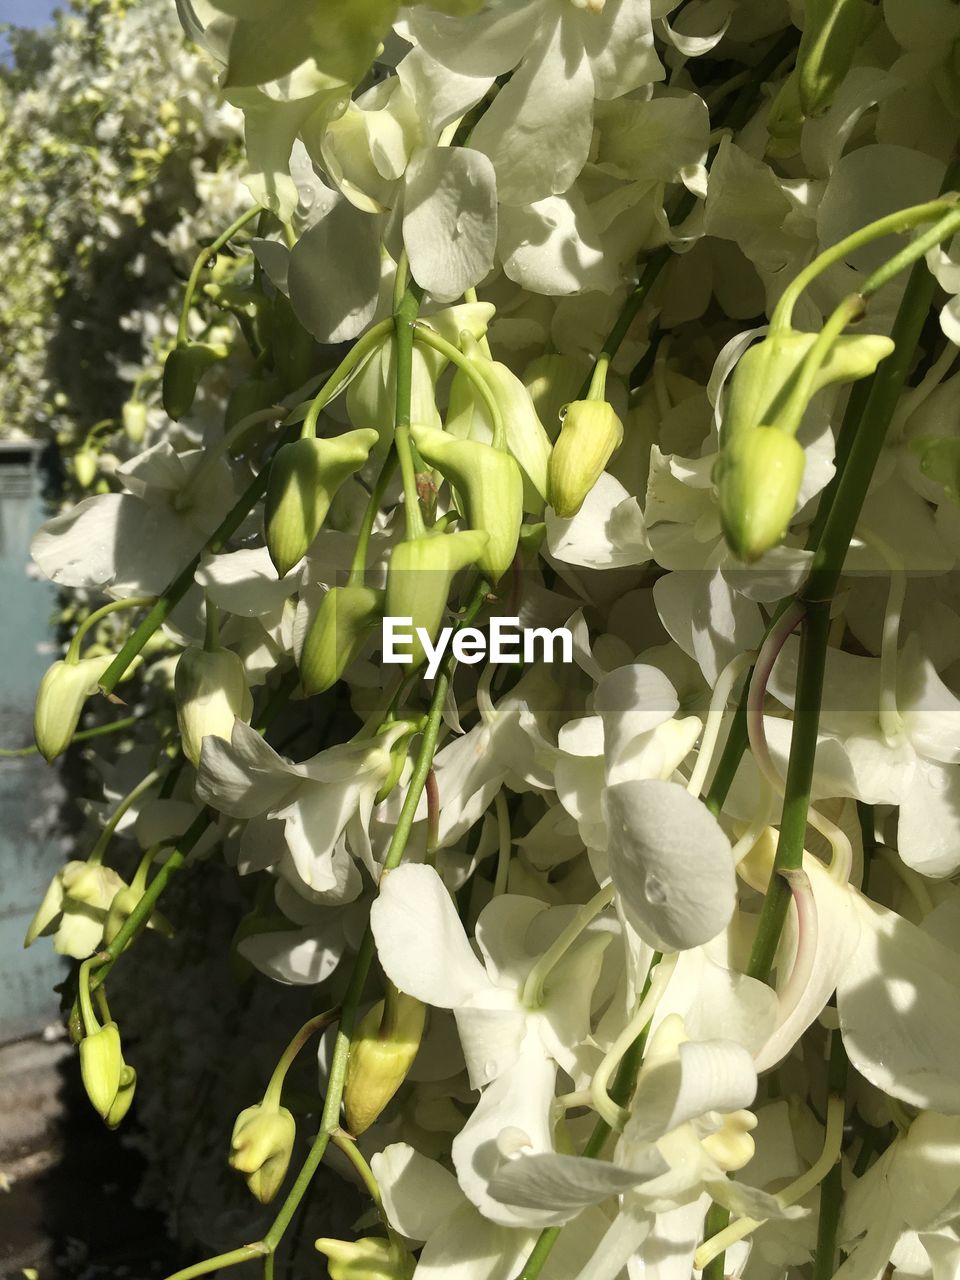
x: 243, y: 777
x: 619, y: 44
x: 450, y: 219
x: 469, y: 1247
x: 671, y: 863
x: 633, y: 701
x: 553, y: 247
x: 704, y: 1075
x: 560, y: 1186
x: 335, y: 273
x: 245, y: 582
x: 606, y: 533
x: 418, y: 1193
x: 420, y: 941
x: 928, y: 832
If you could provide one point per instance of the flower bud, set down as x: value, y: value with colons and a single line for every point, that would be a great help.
x: 590, y: 434
x: 63, y: 690
x: 184, y: 367
x: 85, y: 467
x: 74, y: 908
x: 831, y: 37
x: 101, y: 1064
x: 371, y: 1258
x: 304, y: 477
x: 553, y: 382
x: 122, y: 1102
x: 211, y: 693
x: 261, y: 1147
x: 419, y: 578
x: 759, y: 472
x: 379, y: 1063
x: 135, y: 420
x: 294, y: 349
x: 345, y: 618
x: 490, y: 486
x: 124, y: 903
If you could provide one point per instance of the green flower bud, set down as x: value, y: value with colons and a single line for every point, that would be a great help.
x: 421, y: 571
x: 379, y: 1063
x: 122, y: 1102
x: 785, y: 120
x: 184, y: 367
x: 135, y: 420
x: 758, y: 475
x: 831, y: 36
x: 590, y: 434
x: 211, y: 691
x: 63, y: 690
x: 304, y: 477
x: 85, y: 467
x: 371, y: 1258
x: 123, y: 906
x: 489, y: 484
x: 101, y: 1064
x: 293, y: 348
x: 261, y: 1147
x: 345, y: 618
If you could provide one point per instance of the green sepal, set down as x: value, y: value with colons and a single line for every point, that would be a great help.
x: 379, y: 1064
x: 832, y: 33
x: 344, y: 619
x: 590, y: 435
x: 101, y: 1062
x: 758, y: 476
x: 419, y: 578
x: 184, y: 367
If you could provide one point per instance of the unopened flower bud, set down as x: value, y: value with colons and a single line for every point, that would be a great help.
x: 85, y: 467
x: 184, y: 367
x: 135, y: 420
x: 590, y: 434
x: 488, y: 483
x: 345, y: 618
x: 304, y: 477
x: 371, y: 1258
x: 124, y: 903
x: 124, y: 1099
x: 211, y: 693
x: 421, y: 571
x: 831, y: 36
x: 759, y: 472
x: 63, y: 690
x: 74, y: 908
x: 261, y: 1147
x: 379, y: 1063
x: 101, y: 1064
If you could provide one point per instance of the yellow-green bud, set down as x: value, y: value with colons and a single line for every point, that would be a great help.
x: 261, y: 1147
x: 371, y: 1258
x: 124, y: 903
x: 63, y: 690
x: 101, y: 1064
x: 75, y: 907
x: 489, y: 484
x: 831, y: 36
x: 759, y: 473
x: 184, y: 367
x: 135, y: 420
x: 124, y: 1098
x: 85, y: 467
x: 345, y: 618
x: 590, y: 434
x: 419, y: 578
x: 379, y: 1063
x: 211, y: 692
x: 304, y: 477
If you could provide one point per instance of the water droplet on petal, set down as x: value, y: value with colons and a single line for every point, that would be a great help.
x: 654, y: 891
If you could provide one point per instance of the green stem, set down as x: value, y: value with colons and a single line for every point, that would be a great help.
x: 132, y: 602
x: 144, y: 785
x: 359, y: 564
x: 343, y: 373
x: 271, y: 1097
x: 404, y: 321
x: 793, y: 822
x: 428, y: 337
x: 211, y: 636
x: 183, y: 329
x: 850, y: 309
x: 717, y: 1219
x: 222, y: 1261
x: 99, y: 731
x: 348, y: 1146
x: 831, y: 1189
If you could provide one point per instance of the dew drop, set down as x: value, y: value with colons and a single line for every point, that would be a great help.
x: 490, y: 1069
x: 654, y: 891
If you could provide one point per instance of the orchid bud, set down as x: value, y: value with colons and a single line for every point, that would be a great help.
x: 304, y: 477
x: 135, y: 420
x: 421, y: 571
x: 85, y: 467
x: 124, y: 1099
x: 831, y: 36
x: 379, y: 1062
x: 211, y: 693
x: 124, y: 903
x: 49, y: 911
x: 759, y: 473
x: 371, y: 1258
x: 490, y: 486
x: 184, y: 367
x: 63, y: 690
x: 294, y: 349
x: 74, y: 908
x: 101, y: 1064
x: 261, y: 1147
x: 590, y: 434
x: 345, y: 618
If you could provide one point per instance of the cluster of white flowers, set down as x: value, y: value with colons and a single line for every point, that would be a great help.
x: 633, y: 320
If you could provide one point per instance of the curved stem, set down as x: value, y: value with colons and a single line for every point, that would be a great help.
x: 144, y: 785
x: 344, y: 372
x: 790, y: 417
x: 532, y: 995
x: 404, y: 323
x: 780, y: 631
x: 361, y: 551
x: 345, y: 1143
x: 183, y: 329
x: 505, y: 845
x: 222, y: 1261
x: 711, y: 731
x: 84, y: 735
x: 271, y: 1096
x: 132, y: 602
x: 428, y: 337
